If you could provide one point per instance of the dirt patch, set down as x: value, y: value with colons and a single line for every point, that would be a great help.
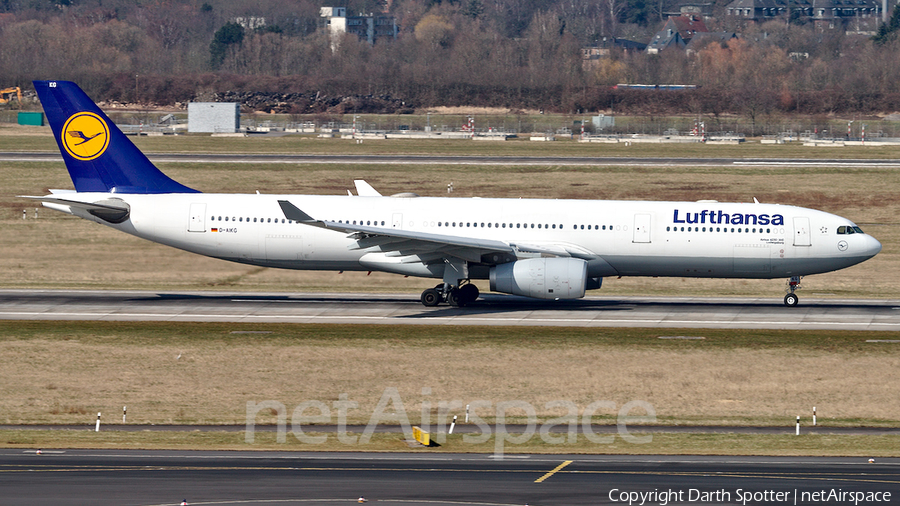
x: 480, y: 110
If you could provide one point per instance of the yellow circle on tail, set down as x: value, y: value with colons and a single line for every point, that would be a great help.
x: 85, y: 136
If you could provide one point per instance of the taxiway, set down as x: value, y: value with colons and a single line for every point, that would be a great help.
x: 64, y: 477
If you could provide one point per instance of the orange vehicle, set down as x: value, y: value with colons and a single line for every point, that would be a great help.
x: 6, y: 95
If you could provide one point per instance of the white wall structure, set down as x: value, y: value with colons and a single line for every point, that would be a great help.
x: 214, y: 117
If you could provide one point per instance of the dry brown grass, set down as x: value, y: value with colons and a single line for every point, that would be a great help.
x: 662, y: 444
x: 201, y: 373
x: 10, y: 130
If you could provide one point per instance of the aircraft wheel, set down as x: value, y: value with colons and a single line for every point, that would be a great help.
x: 453, y: 297
x: 467, y: 294
x: 431, y: 297
x: 791, y: 300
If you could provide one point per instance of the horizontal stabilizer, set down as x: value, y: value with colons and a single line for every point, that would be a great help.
x: 111, y: 210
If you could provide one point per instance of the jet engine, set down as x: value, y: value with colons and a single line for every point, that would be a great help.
x: 541, y: 278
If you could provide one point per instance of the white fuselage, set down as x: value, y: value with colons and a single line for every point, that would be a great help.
x: 617, y: 238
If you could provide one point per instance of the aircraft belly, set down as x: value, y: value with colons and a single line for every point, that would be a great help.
x: 676, y: 266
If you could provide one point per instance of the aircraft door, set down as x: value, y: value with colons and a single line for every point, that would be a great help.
x: 397, y: 221
x: 641, y: 228
x: 801, y: 231
x: 197, y: 220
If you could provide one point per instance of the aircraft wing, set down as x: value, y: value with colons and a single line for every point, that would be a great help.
x: 420, y: 246
x: 426, y: 247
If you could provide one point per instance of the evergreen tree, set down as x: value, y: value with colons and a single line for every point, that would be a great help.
x: 886, y: 30
x: 230, y: 34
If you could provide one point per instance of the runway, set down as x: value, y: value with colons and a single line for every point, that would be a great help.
x: 65, y: 477
x: 475, y: 160
x: 491, y: 309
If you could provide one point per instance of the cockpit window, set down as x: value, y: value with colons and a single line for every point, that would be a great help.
x: 847, y: 230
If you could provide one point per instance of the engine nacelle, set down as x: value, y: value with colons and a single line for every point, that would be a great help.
x: 541, y: 278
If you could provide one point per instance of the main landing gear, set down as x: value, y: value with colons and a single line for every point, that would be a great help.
x: 462, y: 295
x: 791, y: 298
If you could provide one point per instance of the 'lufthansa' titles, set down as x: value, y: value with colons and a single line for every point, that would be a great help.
x: 723, y: 218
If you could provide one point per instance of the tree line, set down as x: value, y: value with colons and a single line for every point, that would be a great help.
x: 518, y: 54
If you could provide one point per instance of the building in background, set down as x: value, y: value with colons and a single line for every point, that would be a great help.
x: 852, y: 15
x: 676, y: 33
x: 369, y: 28
x: 214, y: 117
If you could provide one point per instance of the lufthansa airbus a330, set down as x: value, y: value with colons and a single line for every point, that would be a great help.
x: 546, y: 249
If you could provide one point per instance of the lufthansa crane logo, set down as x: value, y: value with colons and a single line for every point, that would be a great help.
x: 85, y: 136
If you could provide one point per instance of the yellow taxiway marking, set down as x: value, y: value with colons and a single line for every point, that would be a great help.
x: 554, y: 471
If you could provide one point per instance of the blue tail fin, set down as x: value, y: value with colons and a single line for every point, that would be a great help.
x: 97, y: 154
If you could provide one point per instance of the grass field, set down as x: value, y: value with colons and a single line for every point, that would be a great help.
x: 661, y: 444
x: 205, y: 373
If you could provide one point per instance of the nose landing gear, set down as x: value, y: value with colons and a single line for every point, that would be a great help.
x: 791, y: 298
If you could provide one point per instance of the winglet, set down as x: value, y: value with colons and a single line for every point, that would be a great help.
x: 292, y: 212
x: 364, y: 189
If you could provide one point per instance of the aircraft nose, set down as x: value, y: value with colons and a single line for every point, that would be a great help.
x: 872, y: 246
